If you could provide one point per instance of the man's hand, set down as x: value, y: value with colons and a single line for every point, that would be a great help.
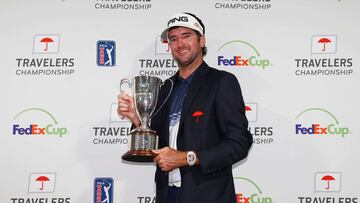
x: 126, y: 108
x: 168, y: 158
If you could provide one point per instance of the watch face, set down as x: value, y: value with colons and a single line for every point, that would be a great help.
x: 191, y: 157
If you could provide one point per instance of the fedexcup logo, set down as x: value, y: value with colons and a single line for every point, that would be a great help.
x: 230, y: 56
x: 250, y: 192
x: 324, y: 124
x: 45, y: 124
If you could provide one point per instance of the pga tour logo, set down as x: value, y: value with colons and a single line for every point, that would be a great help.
x: 46, y: 44
x: 323, y: 44
x: 42, y: 182
x: 327, y: 182
x: 106, y: 53
x: 103, y: 190
x: 162, y: 47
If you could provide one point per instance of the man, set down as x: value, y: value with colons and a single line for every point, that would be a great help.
x: 202, y: 128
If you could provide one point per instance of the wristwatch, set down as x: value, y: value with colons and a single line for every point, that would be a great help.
x: 191, y: 158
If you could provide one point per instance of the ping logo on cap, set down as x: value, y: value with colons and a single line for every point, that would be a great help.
x: 183, y: 20
x: 178, y: 19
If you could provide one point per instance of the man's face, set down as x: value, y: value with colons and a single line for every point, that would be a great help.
x: 185, y: 45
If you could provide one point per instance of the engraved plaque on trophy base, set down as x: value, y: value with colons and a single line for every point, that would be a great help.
x: 142, y: 142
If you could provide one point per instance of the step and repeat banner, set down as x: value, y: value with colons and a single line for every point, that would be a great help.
x: 62, y: 61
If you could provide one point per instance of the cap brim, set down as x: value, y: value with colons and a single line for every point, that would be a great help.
x: 164, y: 34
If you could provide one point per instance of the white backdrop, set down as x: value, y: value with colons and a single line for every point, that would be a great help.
x: 61, y: 140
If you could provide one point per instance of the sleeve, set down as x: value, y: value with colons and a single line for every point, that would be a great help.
x: 233, y: 124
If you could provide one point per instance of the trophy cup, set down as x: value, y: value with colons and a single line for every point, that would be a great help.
x: 145, y: 90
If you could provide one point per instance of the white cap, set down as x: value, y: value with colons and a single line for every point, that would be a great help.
x: 182, y: 20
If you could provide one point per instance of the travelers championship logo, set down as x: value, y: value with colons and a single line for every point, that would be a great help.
x: 262, y: 135
x: 42, y: 182
x: 251, y: 111
x: 103, y: 190
x: 328, y: 182
x: 122, y: 5
x: 160, y: 65
x: 106, y: 53
x: 319, y: 122
x: 37, y: 122
x: 248, y: 191
x: 324, y: 59
x: 145, y: 199
x: 162, y: 47
x: 243, y: 4
x: 46, y: 44
x: 328, y: 189
x: 47, y: 61
x: 323, y: 44
x: 114, y: 132
x: 41, y: 189
x: 240, y: 54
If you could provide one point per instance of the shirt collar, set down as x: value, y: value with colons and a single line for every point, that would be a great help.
x: 179, y: 80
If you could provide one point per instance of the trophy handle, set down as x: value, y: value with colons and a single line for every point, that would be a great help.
x: 123, y: 81
x: 167, y: 97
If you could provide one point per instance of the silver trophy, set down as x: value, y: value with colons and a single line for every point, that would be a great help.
x: 145, y: 90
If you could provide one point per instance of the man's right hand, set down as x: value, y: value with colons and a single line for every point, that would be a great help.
x: 126, y: 108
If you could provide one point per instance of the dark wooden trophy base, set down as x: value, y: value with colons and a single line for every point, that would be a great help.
x: 139, y: 156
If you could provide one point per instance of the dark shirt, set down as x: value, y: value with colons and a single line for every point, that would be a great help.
x: 178, y: 94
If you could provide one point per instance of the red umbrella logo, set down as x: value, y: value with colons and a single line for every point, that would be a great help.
x: 328, y: 179
x: 324, y: 41
x: 42, y: 179
x: 167, y: 43
x: 248, y: 108
x: 197, y: 114
x: 46, y: 40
